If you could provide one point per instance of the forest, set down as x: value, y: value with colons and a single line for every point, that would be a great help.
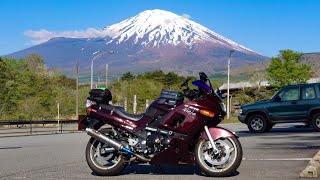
x: 31, y: 91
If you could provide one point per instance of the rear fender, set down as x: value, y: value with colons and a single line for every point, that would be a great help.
x: 92, y: 123
x: 217, y: 133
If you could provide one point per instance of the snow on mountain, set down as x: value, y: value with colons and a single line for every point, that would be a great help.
x: 158, y: 27
x: 153, y: 39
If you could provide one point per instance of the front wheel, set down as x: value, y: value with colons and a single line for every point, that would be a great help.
x: 222, y: 164
x: 257, y: 124
x: 103, y: 159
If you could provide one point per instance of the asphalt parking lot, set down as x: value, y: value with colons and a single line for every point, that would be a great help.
x: 280, y: 154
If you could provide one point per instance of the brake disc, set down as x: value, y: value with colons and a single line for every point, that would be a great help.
x: 223, y: 156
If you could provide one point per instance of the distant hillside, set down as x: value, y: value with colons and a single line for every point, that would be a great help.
x: 153, y: 39
x: 245, y: 72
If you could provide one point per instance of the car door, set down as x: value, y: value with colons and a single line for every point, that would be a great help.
x: 308, y: 98
x: 286, y: 105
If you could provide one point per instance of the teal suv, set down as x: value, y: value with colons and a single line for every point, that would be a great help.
x: 291, y: 104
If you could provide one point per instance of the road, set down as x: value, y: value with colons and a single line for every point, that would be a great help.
x: 280, y: 154
x: 36, y: 130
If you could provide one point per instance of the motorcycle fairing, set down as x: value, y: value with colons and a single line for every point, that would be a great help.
x: 218, y: 132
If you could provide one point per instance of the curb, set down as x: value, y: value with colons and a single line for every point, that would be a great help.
x: 313, y: 168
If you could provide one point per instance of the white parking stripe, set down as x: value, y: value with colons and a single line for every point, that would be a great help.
x: 279, y: 159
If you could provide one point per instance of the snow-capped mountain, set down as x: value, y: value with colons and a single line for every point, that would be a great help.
x: 153, y: 39
x: 158, y: 27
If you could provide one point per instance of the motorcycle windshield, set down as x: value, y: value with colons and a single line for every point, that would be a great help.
x: 201, y: 85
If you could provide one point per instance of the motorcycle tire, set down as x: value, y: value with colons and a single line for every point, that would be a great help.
x: 99, y: 169
x: 210, y: 171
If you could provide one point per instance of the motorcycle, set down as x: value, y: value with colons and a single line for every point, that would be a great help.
x: 170, y: 132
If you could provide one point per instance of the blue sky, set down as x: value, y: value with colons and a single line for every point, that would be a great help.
x: 265, y: 26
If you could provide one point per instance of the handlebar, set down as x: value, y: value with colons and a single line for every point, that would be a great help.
x: 187, y: 92
x: 185, y: 83
x: 191, y: 94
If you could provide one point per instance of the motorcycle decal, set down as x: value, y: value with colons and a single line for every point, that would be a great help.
x: 190, y: 110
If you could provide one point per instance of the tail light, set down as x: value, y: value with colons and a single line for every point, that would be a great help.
x: 89, y: 110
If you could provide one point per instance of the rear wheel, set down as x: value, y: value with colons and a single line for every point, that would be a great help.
x: 103, y: 159
x: 222, y: 164
x: 257, y: 124
x: 316, y: 122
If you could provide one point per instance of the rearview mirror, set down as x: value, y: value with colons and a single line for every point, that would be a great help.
x: 203, y: 76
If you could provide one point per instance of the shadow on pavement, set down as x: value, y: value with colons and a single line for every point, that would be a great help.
x: 163, y: 170
x: 1, y: 148
x: 281, y: 131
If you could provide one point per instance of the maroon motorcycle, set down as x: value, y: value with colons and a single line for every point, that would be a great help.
x: 170, y: 132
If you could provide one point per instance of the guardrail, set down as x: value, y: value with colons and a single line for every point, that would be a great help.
x: 2, y: 123
x: 18, y: 128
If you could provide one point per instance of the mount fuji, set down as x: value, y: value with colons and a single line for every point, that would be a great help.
x: 153, y: 39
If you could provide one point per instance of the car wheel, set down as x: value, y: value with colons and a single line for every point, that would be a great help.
x: 257, y: 124
x: 316, y: 122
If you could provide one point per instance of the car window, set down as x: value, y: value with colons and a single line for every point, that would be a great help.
x: 308, y: 92
x: 290, y: 94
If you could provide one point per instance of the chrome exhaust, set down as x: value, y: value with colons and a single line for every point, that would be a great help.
x: 113, y: 143
x: 103, y: 138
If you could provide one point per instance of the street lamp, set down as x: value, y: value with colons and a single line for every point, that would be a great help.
x: 110, y: 52
x: 77, y: 86
x: 228, y: 92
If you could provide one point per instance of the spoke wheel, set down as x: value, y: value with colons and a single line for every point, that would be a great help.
x: 222, y: 164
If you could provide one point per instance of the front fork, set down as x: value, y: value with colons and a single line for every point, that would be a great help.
x: 214, y: 147
x: 214, y: 133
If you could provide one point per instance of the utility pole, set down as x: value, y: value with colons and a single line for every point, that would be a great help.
x: 107, y: 69
x: 228, y: 91
x: 77, y: 91
x: 147, y: 103
x: 58, y: 106
x: 135, y: 104
x: 125, y: 103
x: 98, y: 81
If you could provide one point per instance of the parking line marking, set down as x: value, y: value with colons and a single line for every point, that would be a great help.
x: 279, y: 159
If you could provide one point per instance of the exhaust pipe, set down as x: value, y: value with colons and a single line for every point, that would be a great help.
x: 113, y: 143
x: 103, y: 138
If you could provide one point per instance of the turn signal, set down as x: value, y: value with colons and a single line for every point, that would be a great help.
x: 207, y: 113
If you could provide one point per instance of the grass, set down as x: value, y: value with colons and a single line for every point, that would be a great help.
x: 230, y: 120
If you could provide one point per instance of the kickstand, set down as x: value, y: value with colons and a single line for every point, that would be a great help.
x: 161, y: 170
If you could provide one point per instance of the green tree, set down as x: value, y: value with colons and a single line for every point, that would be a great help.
x: 216, y: 84
x: 36, y: 63
x: 29, y: 91
x: 127, y: 76
x: 286, y: 69
x: 170, y: 78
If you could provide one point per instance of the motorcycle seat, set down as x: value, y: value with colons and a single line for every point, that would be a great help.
x: 120, y: 111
